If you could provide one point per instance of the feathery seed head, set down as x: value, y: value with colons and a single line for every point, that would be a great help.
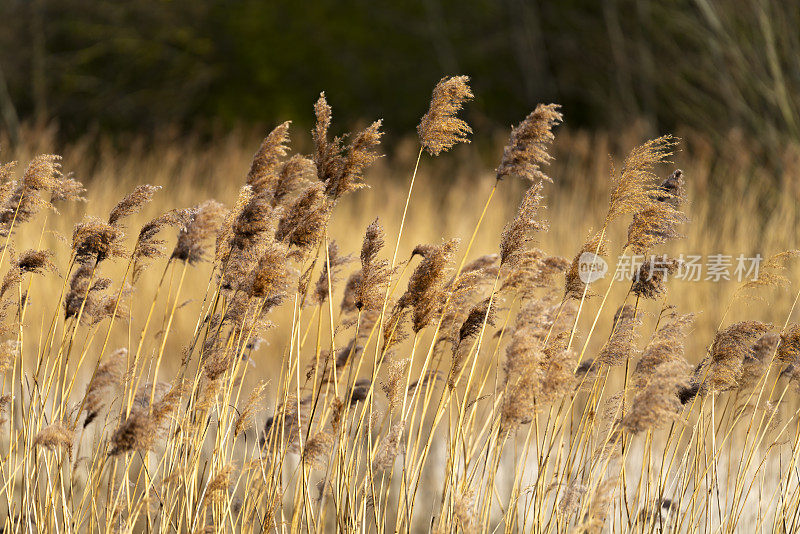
x: 252, y: 222
x: 340, y: 169
x: 439, y: 128
x: 6, y: 402
x: 132, y: 204
x: 757, y: 362
x: 244, y: 421
x: 621, y: 344
x: 148, y: 245
x: 270, y: 278
x: 527, y: 147
x: 657, y: 223
x: 42, y: 172
x: 10, y: 352
x: 95, y: 240
x: 389, y: 447
x: 574, y: 287
x: 55, y: 436
x: 317, y: 449
x: 305, y: 220
x: 361, y: 153
x: 35, y: 261
x: 99, y: 391
x: 292, y: 174
x: 264, y: 169
x: 67, y: 189
x: 789, y: 346
x: 479, y: 314
x: 329, y: 278
x: 666, y: 345
x: 651, y: 278
x: 426, y: 286
x: 217, y: 487
x: 203, y: 224
x: 516, y: 233
x: 374, y: 272
x: 532, y: 270
x: 135, y: 432
x: 631, y: 188
x: 657, y: 402
x: 723, y: 369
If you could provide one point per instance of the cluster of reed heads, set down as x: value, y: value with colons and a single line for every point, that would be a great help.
x: 446, y: 392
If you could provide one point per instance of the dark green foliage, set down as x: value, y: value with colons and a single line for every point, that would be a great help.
x: 144, y: 64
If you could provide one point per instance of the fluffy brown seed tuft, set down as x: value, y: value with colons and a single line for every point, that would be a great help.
x: 426, y: 287
x: 148, y: 245
x: 6, y: 403
x: 389, y: 447
x: 394, y: 384
x: 658, y: 223
x: 394, y: 329
x: 10, y: 352
x: 369, y: 290
x: 264, y: 169
x: 772, y: 274
x: 35, y: 261
x: 100, y: 390
x: 666, y: 345
x: 516, y: 234
x: 252, y: 222
x: 329, y: 278
x: 133, y: 203
x: 340, y: 170
x: 439, y: 128
x: 483, y: 312
x: 657, y: 402
x: 650, y: 281
x: 42, y: 172
x: 789, y: 346
x: 480, y: 315
x: 292, y: 174
x: 95, y: 240
x: 67, y: 189
x: 725, y: 365
x: 23, y: 200
x: 757, y: 362
x: 574, y: 287
x: 621, y: 344
x: 304, y: 222
x: 532, y: 270
x: 631, y: 187
x: 31, y: 261
x: 527, y: 147
x: 217, y: 488
x: 317, y: 449
x: 146, y: 421
x: 361, y: 153
x: 84, y: 292
x: 270, y: 277
x: 55, y: 436
x: 203, y: 224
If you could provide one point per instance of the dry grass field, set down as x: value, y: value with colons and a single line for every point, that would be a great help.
x: 328, y: 356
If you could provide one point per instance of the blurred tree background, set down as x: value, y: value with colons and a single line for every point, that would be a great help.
x: 144, y: 65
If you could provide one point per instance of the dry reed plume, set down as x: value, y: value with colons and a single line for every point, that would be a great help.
x: 451, y: 390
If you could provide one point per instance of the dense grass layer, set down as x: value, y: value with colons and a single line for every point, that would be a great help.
x: 469, y: 392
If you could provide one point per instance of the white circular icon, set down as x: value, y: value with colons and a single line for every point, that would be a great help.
x: 591, y: 267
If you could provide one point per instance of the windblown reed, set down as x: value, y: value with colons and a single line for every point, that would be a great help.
x: 211, y: 372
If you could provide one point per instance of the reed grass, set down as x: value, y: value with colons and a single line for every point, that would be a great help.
x: 171, y: 364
